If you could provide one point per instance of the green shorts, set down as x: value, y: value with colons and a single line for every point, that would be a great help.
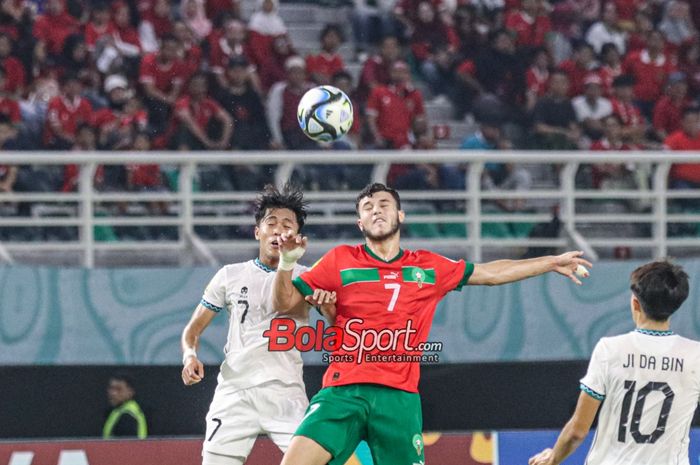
x: 389, y: 419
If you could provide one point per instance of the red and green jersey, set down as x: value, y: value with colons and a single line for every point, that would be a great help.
x: 377, y: 297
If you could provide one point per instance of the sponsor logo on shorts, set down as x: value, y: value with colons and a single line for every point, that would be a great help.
x: 353, y: 342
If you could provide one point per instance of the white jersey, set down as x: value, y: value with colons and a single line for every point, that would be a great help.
x: 650, y: 383
x: 245, y: 290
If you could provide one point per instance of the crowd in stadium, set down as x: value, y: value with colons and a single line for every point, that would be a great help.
x: 197, y: 75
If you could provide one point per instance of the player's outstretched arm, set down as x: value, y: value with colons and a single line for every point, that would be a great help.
x: 573, y: 434
x: 508, y: 271
x: 286, y: 299
x: 193, y: 369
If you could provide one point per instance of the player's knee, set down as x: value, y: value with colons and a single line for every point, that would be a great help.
x: 209, y: 458
x: 305, y: 451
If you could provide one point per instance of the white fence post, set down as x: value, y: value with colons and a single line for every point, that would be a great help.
x: 87, y: 229
x: 661, y: 208
x: 187, y: 171
x: 474, y: 189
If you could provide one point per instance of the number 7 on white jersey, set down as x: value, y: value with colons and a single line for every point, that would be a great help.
x: 396, y: 287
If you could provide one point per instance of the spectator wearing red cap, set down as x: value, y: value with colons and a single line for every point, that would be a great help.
x: 162, y: 76
x: 668, y: 110
x: 65, y: 113
x: 54, y: 26
x: 323, y: 66
x: 282, y: 102
x: 578, y: 67
x: 650, y: 69
x: 393, y: 110
x: 687, y: 175
x: 592, y: 107
x: 376, y: 70
x: 530, y: 25
x: 16, y: 78
x: 194, y: 116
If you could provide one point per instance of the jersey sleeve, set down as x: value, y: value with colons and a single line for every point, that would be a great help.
x: 323, y: 274
x: 214, y: 297
x: 594, y: 382
x: 451, y: 275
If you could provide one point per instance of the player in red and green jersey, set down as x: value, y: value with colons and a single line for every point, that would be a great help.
x: 390, y: 293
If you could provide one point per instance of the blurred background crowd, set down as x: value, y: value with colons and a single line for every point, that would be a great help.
x: 422, y: 74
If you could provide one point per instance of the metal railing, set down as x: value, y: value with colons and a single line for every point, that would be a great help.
x: 192, y: 209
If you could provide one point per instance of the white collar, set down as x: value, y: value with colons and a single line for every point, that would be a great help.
x: 646, y: 59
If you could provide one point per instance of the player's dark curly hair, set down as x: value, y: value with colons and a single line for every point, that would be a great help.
x: 661, y: 288
x: 371, y: 189
x: 290, y: 197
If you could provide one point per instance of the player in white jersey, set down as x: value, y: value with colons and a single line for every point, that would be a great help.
x: 648, y: 382
x: 258, y: 391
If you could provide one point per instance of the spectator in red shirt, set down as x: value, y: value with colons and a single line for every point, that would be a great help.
x: 196, y: 116
x: 65, y: 113
x: 144, y: 177
x: 282, y: 102
x: 393, y: 110
x: 633, y: 123
x: 115, y: 123
x: 611, y: 67
x: 669, y: 109
x: 642, y: 27
x: 272, y: 68
x: 155, y: 24
x: 530, y: 26
x: 537, y: 77
x: 190, y: 54
x: 650, y: 69
x: 100, y: 27
x: 577, y: 68
x: 125, y: 40
x: 323, y: 66
x: 376, y: 70
x: 687, y: 175
x: 54, y: 26
x: 162, y: 77
x: 612, y: 175
x: 677, y: 24
x: 14, y: 69
x: 264, y: 27
x: 8, y: 105
x: 433, y: 44
x: 232, y: 43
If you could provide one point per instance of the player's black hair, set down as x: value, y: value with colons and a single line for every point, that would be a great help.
x: 290, y: 197
x: 124, y: 377
x: 661, y: 288
x: 371, y: 189
x: 624, y: 80
x: 607, y: 46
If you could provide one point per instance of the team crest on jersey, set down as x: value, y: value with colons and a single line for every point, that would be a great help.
x: 244, y: 290
x: 418, y: 274
x: 417, y: 442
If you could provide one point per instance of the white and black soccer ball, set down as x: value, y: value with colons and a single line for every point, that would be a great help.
x: 325, y: 113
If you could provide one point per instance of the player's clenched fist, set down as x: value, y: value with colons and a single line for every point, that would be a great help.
x: 193, y: 371
x: 292, y: 247
x: 543, y: 458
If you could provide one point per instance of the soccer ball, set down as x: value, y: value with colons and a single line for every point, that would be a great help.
x: 325, y: 113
